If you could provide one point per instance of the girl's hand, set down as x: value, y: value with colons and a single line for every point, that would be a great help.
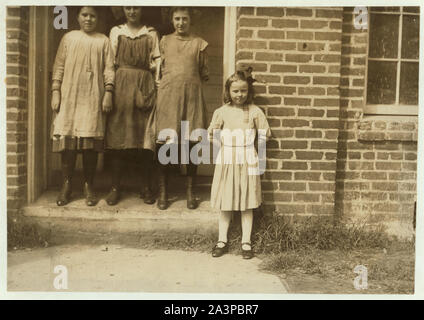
x: 107, y: 102
x: 56, y: 100
x: 157, y: 83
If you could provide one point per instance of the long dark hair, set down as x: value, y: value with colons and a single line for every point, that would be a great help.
x: 239, y: 76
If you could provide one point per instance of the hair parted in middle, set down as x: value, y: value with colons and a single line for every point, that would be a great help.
x: 239, y: 75
x: 175, y: 9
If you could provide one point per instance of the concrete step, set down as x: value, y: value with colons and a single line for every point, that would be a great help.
x: 126, y: 223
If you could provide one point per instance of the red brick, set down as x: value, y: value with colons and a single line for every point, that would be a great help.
x: 282, y: 45
x: 310, y: 113
x: 279, y: 155
x: 308, y: 155
x: 311, y: 69
x: 296, y: 144
x: 246, y: 10
x: 253, y: 22
x: 374, y: 196
x: 388, y: 166
x: 278, y: 197
x: 310, y: 46
x: 295, y: 123
x: 325, y: 124
x: 331, y: 58
x: 290, y: 208
x: 321, y: 186
x: 328, y: 13
x: 330, y: 36
x: 282, y: 90
x: 267, y: 100
x: 283, y: 68
x: 385, y: 186
x: 321, y: 209
x: 268, y: 185
x: 251, y: 44
x: 326, y: 102
x: 296, y: 80
x: 310, y: 176
x: 278, y: 175
x: 331, y: 155
x: 292, y: 186
x: 410, y: 156
x: 299, y: 12
x: 326, y: 80
x: 300, y: 35
x: 333, y: 113
x: 268, y: 56
x: 336, y: 25
x: 396, y: 155
x: 300, y: 58
x: 283, y: 133
x: 308, y: 134
x: 281, y: 111
x: 284, y: 23
x: 323, y: 145
x: 311, y: 91
x: 306, y: 197
x: 297, y: 101
x: 326, y: 166
x: 372, y: 175
x: 245, y: 33
x: 313, y: 24
x: 271, y: 12
x: 290, y: 165
x: 271, y: 34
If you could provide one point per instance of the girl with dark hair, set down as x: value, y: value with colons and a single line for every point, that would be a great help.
x: 130, y: 126
x: 236, y: 182
x: 83, y: 82
x: 180, y: 96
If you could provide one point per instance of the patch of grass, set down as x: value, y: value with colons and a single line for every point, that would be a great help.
x: 24, y: 235
x: 278, y: 234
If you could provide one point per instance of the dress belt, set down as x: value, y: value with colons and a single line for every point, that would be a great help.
x: 125, y: 66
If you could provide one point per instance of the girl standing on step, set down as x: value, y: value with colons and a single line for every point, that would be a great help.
x: 83, y: 82
x: 180, y: 95
x: 236, y: 182
x: 130, y: 126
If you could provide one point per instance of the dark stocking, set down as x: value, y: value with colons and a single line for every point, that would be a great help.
x: 89, y: 163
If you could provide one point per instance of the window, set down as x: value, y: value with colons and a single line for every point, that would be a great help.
x: 393, y: 55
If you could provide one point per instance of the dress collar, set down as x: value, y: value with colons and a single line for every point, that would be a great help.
x: 143, y: 30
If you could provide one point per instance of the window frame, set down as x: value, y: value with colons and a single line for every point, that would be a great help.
x: 396, y: 108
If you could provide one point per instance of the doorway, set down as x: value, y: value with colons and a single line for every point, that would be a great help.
x: 44, y: 166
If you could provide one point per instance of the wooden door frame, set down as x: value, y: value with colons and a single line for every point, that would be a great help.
x: 230, y: 31
x: 39, y: 37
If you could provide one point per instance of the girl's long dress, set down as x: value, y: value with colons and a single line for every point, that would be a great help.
x: 130, y: 125
x: 83, y: 65
x: 236, y: 181
x: 180, y: 95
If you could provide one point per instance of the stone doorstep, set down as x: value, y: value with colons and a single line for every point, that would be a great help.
x: 124, y: 223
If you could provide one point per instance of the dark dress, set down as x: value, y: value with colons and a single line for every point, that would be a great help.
x: 180, y: 95
x: 130, y: 125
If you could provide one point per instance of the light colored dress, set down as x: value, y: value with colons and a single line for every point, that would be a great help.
x: 180, y: 95
x: 130, y: 124
x: 236, y: 181
x: 84, y: 66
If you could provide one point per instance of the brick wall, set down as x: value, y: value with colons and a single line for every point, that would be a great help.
x: 16, y: 104
x: 376, y: 166
x: 295, y: 53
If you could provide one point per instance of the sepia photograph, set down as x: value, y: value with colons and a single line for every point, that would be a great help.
x: 211, y: 149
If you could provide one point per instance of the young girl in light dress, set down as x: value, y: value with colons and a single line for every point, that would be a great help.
x: 83, y: 82
x: 236, y: 182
